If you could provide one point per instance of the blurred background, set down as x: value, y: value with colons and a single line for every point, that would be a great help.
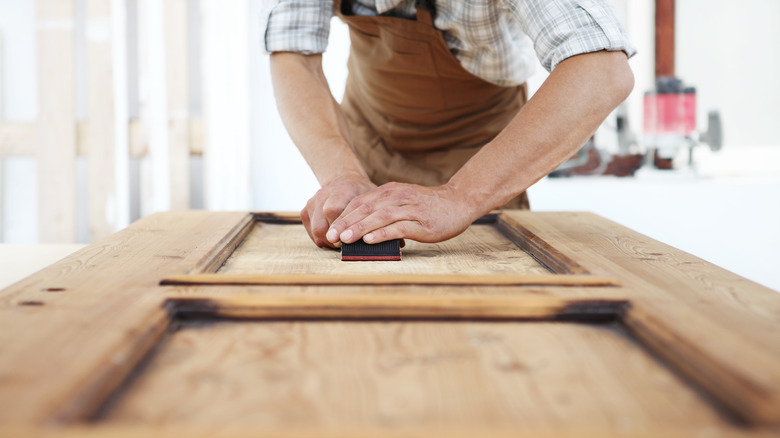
x: 111, y: 110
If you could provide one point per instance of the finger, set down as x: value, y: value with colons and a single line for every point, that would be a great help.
x: 397, y: 230
x: 391, y: 198
x: 382, y: 217
x: 334, y: 206
x: 306, y: 220
x: 319, y: 224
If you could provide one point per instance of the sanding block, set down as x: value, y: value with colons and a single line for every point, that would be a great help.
x: 361, y: 251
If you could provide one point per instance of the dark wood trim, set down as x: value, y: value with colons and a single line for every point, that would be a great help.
x: 664, y: 37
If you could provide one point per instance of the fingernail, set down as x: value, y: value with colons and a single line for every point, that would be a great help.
x: 332, y: 236
x: 369, y: 237
x: 346, y: 235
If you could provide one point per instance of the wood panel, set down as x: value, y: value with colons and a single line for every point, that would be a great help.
x: 717, y: 331
x: 495, y: 250
x: 411, y: 375
x: 79, y: 325
x: 664, y: 274
x: 56, y: 131
x: 287, y: 249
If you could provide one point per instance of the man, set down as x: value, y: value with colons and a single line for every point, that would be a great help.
x: 434, y: 131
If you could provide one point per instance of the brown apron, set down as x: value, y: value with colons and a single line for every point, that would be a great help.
x: 414, y: 113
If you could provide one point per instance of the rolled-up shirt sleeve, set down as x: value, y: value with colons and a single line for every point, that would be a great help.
x: 297, y: 25
x: 564, y: 28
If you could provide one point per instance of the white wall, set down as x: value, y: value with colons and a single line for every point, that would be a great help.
x: 18, y: 28
x: 18, y: 181
x: 729, y: 51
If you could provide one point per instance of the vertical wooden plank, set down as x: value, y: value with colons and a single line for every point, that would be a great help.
x: 177, y: 86
x: 664, y: 38
x: 107, y: 136
x: 2, y: 78
x: 119, y: 11
x: 2, y: 116
x: 226, y: 104
x: 155, y: 173
x: 56, y: 132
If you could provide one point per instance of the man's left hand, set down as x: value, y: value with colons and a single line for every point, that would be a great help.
x: 402, y: 211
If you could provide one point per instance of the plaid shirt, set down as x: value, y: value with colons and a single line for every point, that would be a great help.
x: 492, y: 39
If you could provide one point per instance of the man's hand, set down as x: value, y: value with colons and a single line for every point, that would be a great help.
x: 328, y: 203
x: 396, y: 211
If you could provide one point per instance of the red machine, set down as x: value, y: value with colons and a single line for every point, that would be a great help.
x: 670, y: 122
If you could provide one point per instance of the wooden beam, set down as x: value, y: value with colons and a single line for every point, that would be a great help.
x: 56, y: 130
x: 396, y: 306
x: 392, y: 280
x: 2, y: 115
x: 2, y: 78
x: 664, y: 38
x: 17, y: 139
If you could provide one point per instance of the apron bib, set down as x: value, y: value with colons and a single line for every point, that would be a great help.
x: 415, y: 114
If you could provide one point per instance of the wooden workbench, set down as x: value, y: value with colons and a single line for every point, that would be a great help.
x: 529, y: 324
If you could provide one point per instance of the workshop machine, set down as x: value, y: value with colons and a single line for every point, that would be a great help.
x: 670, y: 123
x: 669, y: 126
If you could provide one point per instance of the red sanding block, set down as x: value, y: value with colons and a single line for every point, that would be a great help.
x: 361, y: 251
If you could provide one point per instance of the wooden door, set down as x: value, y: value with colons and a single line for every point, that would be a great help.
x: 529, y: 324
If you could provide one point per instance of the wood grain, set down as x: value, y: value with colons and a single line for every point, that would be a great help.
x: 95, y: 306
x: 652, y: 271
x: 752, y: 391
x: 547, y: 255
x: 390, y: 279
x: 287, y: 249
x: 411, y: 375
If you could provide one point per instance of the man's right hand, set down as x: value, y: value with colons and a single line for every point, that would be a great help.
x: 328, y: 204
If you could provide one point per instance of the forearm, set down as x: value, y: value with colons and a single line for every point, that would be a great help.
x: 312, y: 116
x: 574, y: 100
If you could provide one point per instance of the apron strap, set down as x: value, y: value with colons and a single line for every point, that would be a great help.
x: 426, y: 11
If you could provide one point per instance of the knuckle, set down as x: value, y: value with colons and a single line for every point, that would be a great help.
x: 319, y: 229
x: 384, y: 214
x: 338, y: 224
x: 331, y: 211
x: 358, y: 228
x: 365, y: 208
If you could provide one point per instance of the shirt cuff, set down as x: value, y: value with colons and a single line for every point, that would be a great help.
x: 298, y: 26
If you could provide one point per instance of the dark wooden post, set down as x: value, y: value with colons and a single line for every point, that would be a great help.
x: 664, y: 38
